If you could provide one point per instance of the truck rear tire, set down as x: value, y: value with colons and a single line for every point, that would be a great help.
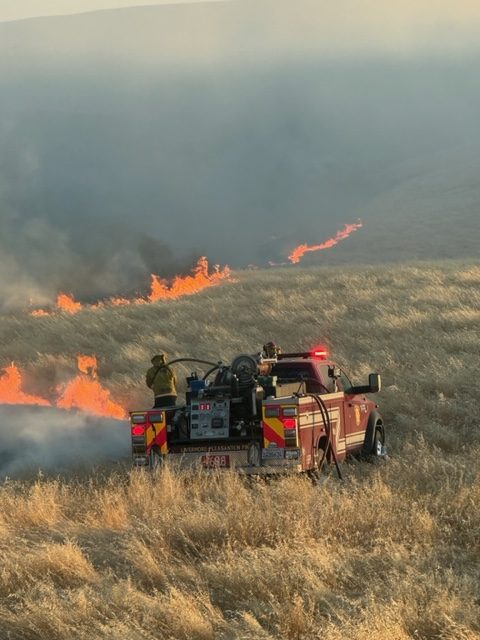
x: 321, y: 456
x: 155, y: 459
x: 319, y: 460
x: 378, y: 444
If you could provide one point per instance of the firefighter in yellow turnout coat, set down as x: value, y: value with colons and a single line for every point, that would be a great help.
x: 163, y: 382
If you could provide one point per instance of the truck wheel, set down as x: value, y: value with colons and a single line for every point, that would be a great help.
x: 155, y: 459
x: 319, y: 460
x: 378, y: 444
x: 254, y: 454
x: 321, y: 457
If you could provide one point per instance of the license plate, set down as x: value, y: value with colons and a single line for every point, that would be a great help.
x: 216, y: 462
x: 274, y: 453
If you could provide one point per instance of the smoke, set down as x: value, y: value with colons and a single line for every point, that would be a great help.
x: 40, y: 258
x: 36, y: 439
x: 134, y: 141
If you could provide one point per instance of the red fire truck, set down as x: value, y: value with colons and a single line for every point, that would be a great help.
x: 263, y: 415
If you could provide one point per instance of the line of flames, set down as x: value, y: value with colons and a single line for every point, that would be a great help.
x: 84, y: 392
x: 160, y: 289
x: 202, y: 278
x: 298, y: 253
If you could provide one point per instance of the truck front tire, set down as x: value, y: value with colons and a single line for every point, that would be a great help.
x: 374, y: 427
x: 378, y: 443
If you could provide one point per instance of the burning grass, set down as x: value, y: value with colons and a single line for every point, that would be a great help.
x: 202, y: 277
x: 84, y: 392
x: 297, y: 254
x: 390, y: 553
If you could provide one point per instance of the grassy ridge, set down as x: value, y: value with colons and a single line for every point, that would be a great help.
x: 392, y: 552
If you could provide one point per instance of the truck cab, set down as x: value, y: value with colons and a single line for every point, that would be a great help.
x: 356, y: 419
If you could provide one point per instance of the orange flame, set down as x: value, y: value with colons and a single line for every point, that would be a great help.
x: 88, y: 365
x: 11, y: 389
x: 160, y: 289
x: 68, y: 303
x: 84, y: 392
x: 39, y: 312
x: 187, y: 285
x: 118, y: 302
x: 87, y: 394
x: 298, y: 253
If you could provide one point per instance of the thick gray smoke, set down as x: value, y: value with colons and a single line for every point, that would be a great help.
x: 36, y: 439
x: 134, y: 141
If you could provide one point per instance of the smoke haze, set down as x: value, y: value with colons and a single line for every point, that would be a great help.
x: 36, y: 439
x: 134, y: 141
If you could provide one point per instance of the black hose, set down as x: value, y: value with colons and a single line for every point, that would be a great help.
x: 213, y: 364
x: 328, y: 430
x: 326, y: 423
x: 325, y: 418
x: 217, y: 366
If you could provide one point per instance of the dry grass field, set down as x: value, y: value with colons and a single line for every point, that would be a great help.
x: 391, y: 552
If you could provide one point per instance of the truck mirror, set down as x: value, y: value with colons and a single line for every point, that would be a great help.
x: 374, y: 382
x: 334, y: 372
x: 374, y: 385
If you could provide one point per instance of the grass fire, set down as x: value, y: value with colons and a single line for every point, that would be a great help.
x: 161, y: 289
x: 279, y: 200
x: 201, y: 278
x: 298, y: 253
x: 84, y: 393
x: 11, y: 388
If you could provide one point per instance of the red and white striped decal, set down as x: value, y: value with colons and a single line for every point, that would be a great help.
x: 273, y: 432
x: 157, y: 433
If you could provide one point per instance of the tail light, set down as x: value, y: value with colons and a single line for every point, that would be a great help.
x: 138, y: 428
x: 290, y: 431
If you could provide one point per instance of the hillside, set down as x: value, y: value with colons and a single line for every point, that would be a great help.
x: 429, y: 206
x: 178, y: 131
x: 390, y: 552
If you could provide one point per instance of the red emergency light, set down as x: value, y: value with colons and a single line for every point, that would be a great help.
x: 320, y: 352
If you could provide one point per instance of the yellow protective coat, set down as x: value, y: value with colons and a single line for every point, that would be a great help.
x: 161, y: 379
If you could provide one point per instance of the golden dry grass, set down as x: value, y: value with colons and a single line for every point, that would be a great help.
x: 392, y: 552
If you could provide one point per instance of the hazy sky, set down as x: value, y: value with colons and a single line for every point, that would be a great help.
x: 19, y: 9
